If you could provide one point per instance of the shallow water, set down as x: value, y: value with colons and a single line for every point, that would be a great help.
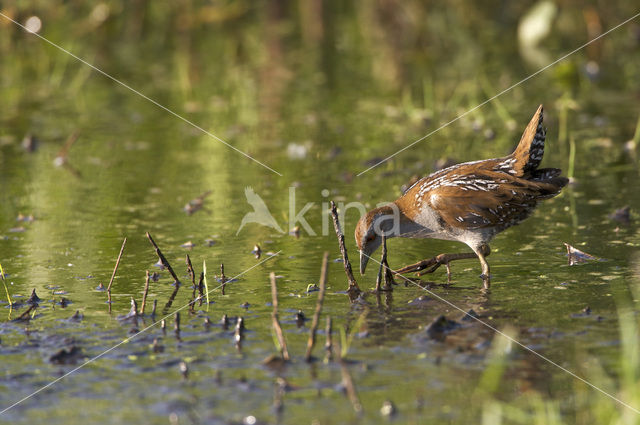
x: 319, y: 103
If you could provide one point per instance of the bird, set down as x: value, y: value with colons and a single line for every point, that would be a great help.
x: 260, y: 213
x: 469, y: 202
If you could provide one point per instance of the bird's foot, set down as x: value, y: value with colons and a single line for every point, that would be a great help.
x: 431, y: 264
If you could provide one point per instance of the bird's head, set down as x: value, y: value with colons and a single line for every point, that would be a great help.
x: 369, y: 232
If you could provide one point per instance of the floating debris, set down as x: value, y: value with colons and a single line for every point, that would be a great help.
x: 583, y: 313
x: 77, y: 316
x: 622, y: 215
x: 30, y: 143
x: 388, y: 409
x: 66, y: 355
x: 439, y: 327
x: 209, y: 242
x: 577, y: 257
x: 188, y: 245
x: 300, y: 319
x: 295, y: 232
x: 18, y: 229
x: 25, y: 218
x: 422, y: 299
x: 155, y: 276
x: 196, y: 204
x: 257, y: 251
x: 469, y: 316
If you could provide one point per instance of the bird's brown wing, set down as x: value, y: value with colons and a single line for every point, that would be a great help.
x: 487, y: 199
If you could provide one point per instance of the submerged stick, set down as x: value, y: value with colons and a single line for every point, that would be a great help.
x: 350, y: 388
x: 115, y: 269
x: 145, y: 293
x: 274, y: 318
x: 328, y: 345
x: 316, y: 315
x: 353, y: 289
x: 27, y: 314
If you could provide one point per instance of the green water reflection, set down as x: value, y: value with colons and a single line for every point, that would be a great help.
x: 318, y: 91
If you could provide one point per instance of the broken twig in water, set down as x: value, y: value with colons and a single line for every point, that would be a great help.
x: 316, y: 315
x: 165, y: 263
x: 115, y: 269
x: 353, y: 289
x: 274, y: 318
x: 145, y: 293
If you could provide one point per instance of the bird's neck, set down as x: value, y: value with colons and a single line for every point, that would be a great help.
x: 391, y: 220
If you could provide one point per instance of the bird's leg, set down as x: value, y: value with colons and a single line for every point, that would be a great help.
x: 483, y: 251
x: 431, y: 264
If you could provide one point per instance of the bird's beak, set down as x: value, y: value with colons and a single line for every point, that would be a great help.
x: 364, y: 258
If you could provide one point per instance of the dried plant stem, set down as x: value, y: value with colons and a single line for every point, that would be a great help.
x: 115, y: 269
x: 316, y: 315
x: 274, y: 317
x: 353, y: 289
x: 204, y: 279
x: 145, y: 293
x: 223, y: 278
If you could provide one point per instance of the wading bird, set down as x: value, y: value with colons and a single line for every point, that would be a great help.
x: 470, y: 203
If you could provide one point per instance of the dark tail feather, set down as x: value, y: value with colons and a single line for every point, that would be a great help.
x: 528, y: 154
x: 544, y: 174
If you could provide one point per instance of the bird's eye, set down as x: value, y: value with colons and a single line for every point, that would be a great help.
x: 370, y: 238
